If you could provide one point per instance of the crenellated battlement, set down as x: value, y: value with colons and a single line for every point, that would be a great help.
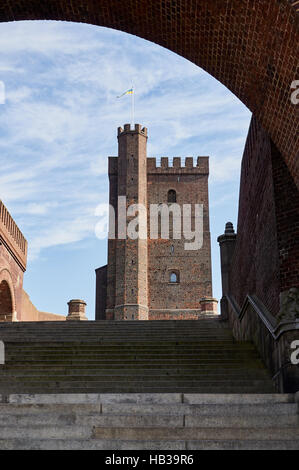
x: 12, y: 237
x: 165, y: 165
x: 138, y: 129
x: 178, y: 165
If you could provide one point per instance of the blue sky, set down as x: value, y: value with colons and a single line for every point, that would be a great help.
x: 59, y: 124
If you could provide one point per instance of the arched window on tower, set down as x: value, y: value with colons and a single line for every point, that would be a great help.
x: 171, y: 197
x: 174, y: 277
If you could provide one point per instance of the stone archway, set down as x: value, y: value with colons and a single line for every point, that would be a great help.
x: 251, y: 46
x: 7, y: 297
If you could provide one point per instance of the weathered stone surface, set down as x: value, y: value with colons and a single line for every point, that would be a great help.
x: 141, y: 398
x: 289, y: 309
x: 152, y: 421
x: 56, y: 398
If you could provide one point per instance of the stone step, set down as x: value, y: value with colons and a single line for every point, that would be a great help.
x: 42, y: 411
x: 91, y: 328
x: 45, y: 432
x: 132, y: 378
x: 110, y: 325
x: 55, y: 388
x: 51, y: 376
x: 153, y: 399
x: 132, y: 347
x: 127, y: 388
x: 120, y: 372
x: 121, y: 340
x: 118, y: 363
x: 33, y: 328
x: 150, y: 420
x: 177, y: 409
x: 219, y: 352
x: 98, y: 444
x: 146, y: 359
x: 135, y: 365
x: 128, y: 354
x: 140, y: 345
x: 199, y: 410
x: 196, y: 433
x: 238, y: 444
x: 182, y: 337
x: 207, y: 319
x: 196, y: 356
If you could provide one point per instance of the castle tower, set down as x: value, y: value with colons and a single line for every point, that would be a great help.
x: 155, y: 277
x: 127, y: 264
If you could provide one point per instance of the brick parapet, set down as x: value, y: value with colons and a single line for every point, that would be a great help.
x: 176, y: 168
x: 12, y: 237
x: 168, y: 166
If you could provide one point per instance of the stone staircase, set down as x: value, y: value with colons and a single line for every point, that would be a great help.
x: 149, y: 422
x: 128, y: 357
x: 158, y: 385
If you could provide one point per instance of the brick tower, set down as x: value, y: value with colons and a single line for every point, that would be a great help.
x: 154, y: 277
x: 128, y: 258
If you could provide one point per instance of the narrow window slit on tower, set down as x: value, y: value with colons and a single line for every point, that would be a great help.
x: 171, y: 197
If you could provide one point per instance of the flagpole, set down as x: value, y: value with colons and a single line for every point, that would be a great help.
x: 130, y: 92
x: 133, y: 105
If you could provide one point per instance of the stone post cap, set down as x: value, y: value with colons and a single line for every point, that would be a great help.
x: 208, y: 299
x: 76, y: 310
x: 229, y: 228
x: 77, y: 301
x: 229, y: 234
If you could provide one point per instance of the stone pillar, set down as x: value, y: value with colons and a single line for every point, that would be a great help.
x: 208, y: 305
x: 76, y: 310
x: 227, y: 243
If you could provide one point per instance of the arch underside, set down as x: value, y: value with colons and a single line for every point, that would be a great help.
x: 251, y: 46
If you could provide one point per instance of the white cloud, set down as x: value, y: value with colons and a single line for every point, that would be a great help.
x: 18, y: 95
x: 37, y: 209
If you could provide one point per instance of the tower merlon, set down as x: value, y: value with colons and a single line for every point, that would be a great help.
x: 174, y: 165
x: 138, y: 129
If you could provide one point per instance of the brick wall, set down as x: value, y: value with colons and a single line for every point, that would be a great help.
x: 13, y: 258
x: 194, y: 267
x: 265, y: 260
x: 12, y: 275
x: 286, y: 196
